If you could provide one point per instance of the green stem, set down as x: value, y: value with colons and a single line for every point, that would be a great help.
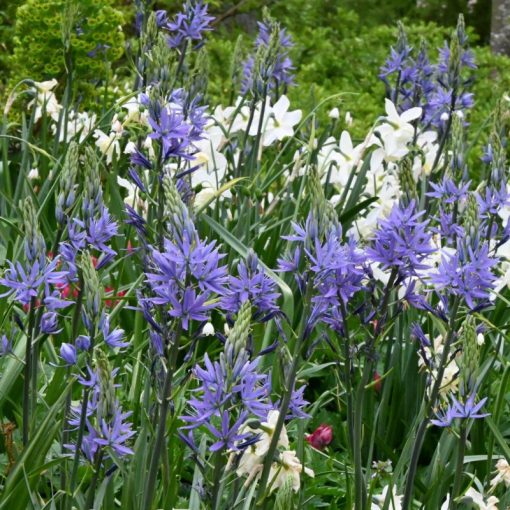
x: 216, y: 495
x: 284, y: 406
x: 460, y: 465
x: 93, y: 483
x: 65, y: 433
x: 28, y: 373
x: 161, y: 429
x: 359, y: 479
x: 429, y: 407
x: 76, y: 459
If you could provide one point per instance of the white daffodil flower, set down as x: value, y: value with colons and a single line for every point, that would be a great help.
x: 212, y: 163
x: 423, y: 163
x: 281, y: 122
x: 287, y: 467
x: 502, y: 474
x: 107, y: 144
x: 232, y: 118
x: 267, y: 430
x: 334, y: 113
x: 401, y: 124
x: 136, y: 112
x: 393, y: 136
x: 46, y: 100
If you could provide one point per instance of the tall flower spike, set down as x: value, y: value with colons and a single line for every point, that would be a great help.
x: 107, y: 401
x: 176, y: 209
x: 68, y: 177
x: 322, y: 207
x: 407, y: 181
x: 93, y: 294
x: 35, y: 246
x: 469, y: 360
x: 402, y: 241
x: 93, y: 194
x: 190, y: 24
x: 238, y: 335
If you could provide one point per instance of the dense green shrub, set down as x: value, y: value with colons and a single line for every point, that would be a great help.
x: 38, y: 48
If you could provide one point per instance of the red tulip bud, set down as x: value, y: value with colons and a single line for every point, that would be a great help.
x: 321, y: 437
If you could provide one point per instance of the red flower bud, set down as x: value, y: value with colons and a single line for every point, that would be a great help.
x: 321, y: 437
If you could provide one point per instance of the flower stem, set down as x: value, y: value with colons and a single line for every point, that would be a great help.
x: 216, y: 494
x: 429, y: 407
x: 93, y: 483
x: 284, y: 406
x: 460, y: 464
x: 28, y: 373
x: 161, y: 429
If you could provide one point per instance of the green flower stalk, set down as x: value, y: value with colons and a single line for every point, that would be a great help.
x: 407, y: 181
x: 323, y: 210
x: 239, y: 333
x: 66, y: 195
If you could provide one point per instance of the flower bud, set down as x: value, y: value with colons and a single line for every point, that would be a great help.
x: 321, y: 437
x: 68, y: 353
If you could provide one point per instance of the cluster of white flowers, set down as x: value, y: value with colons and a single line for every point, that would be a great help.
x: 287, y: 466
x: 392, y: 140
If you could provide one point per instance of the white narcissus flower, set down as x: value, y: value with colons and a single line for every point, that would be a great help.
x: 287, y: 467
x: 393, y: 136
x: 401, y: 124
x: 253, y: 457
x: 395, y: 501
x: 107, y: 144
x: 277, y: 122
x: 267, y: 429
x: 450, y: 376
x: 348, y: 118
x: 250, y: 464
x: 502, y: 475
x: 336, y: 161
x: 232, y: 118
x: 136, y: 112
x: 78, y: 123
x: 211, y: 163
x: 130, y: 148
x: 281, y: 122
x: 46, y: 101
x: 203, y: 197
x: 478, y: 500
x: 46, y: 86
x: 423, y: 163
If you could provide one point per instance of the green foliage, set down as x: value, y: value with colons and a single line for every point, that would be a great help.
x: 38, y: 42
x: 7, y: 17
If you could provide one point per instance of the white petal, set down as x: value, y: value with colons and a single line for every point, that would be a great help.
x: 281, y: 107
x: 412, y: 114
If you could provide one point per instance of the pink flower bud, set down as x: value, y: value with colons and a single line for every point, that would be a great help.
x: 321, y: 437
